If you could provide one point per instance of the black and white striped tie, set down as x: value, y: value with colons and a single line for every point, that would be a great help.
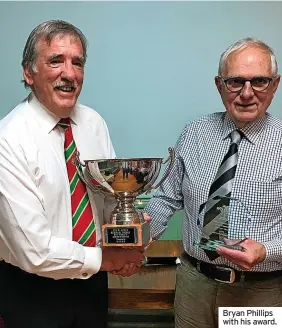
x: 220, y: 192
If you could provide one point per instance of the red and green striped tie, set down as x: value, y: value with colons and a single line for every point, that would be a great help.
x: 84, y: 231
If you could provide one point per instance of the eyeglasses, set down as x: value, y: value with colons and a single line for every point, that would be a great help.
x: 258, y: 83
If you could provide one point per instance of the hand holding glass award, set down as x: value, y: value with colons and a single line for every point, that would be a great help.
x: 124, y: 179
x: 222, y: 227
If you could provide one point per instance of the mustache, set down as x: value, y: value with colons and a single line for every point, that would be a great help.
x: 69, y: 84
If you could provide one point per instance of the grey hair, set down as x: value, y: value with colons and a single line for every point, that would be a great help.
x: 243, y: 43
x: 47, y: 31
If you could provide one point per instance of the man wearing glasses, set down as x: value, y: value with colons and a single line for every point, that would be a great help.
x: 227, y: 177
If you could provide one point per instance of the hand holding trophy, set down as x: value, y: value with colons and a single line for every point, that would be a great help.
x: 124, y: 179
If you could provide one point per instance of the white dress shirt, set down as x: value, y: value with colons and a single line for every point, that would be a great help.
x: 35, y: 200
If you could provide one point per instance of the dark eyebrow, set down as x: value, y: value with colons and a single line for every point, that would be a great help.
x: 53, y: 56
x: 81, y: 59
x: 243, y: 78
x: 235, y: 77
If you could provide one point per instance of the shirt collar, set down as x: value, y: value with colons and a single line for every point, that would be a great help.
x: 251, y: 131
x: 46, y: 119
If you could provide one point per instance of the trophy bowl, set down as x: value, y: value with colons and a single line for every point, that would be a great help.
x: 124, y: 179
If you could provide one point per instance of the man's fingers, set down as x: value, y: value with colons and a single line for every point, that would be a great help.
x: 127, y: 270
x: 146, y: 217
x: 131, y: 266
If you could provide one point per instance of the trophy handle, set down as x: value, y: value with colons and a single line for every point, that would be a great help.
x: 171, y: 157
x: 78, y: 164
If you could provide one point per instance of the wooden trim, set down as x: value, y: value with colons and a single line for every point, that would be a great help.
x: 165, y: 248
x: 140, y: 299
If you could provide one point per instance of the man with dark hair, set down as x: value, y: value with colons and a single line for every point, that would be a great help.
x: 53, y: 270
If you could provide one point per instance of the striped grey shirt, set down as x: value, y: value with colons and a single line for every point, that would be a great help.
x: 256, y: 209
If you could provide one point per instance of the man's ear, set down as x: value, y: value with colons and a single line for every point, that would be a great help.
x: 28, y: 76
x: 218, y: 83
x: 276, y: 83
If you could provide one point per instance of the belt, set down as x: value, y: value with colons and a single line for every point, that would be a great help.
x: 229, y: 275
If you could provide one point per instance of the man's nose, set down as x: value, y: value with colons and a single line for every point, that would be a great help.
x: 68, y: 71
x: 247, y: 91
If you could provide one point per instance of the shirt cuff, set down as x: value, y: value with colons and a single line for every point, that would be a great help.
x: 92, y: 262
x: 273, y: 250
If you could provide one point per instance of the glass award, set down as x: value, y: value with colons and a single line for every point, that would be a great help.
x: 223, y: 221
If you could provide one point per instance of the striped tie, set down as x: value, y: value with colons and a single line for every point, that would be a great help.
x: 220, y: 193
x: 82, y: 217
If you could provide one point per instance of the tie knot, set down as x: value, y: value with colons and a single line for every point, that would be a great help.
x: 64, y: 123
x: 236, y: 136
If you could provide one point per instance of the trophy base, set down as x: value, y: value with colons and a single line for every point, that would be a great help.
x: 211, y: 245
x: 129, y: 235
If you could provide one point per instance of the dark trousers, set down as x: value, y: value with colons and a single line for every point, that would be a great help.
x: 197, y: 297
x: 31, y: 301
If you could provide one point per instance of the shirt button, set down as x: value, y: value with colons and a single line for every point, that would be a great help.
x: 84, y: 274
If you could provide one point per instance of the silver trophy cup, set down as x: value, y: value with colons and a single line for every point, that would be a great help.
x: 124, y: 179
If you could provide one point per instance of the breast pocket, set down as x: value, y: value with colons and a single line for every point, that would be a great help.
x: 264, y: 202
